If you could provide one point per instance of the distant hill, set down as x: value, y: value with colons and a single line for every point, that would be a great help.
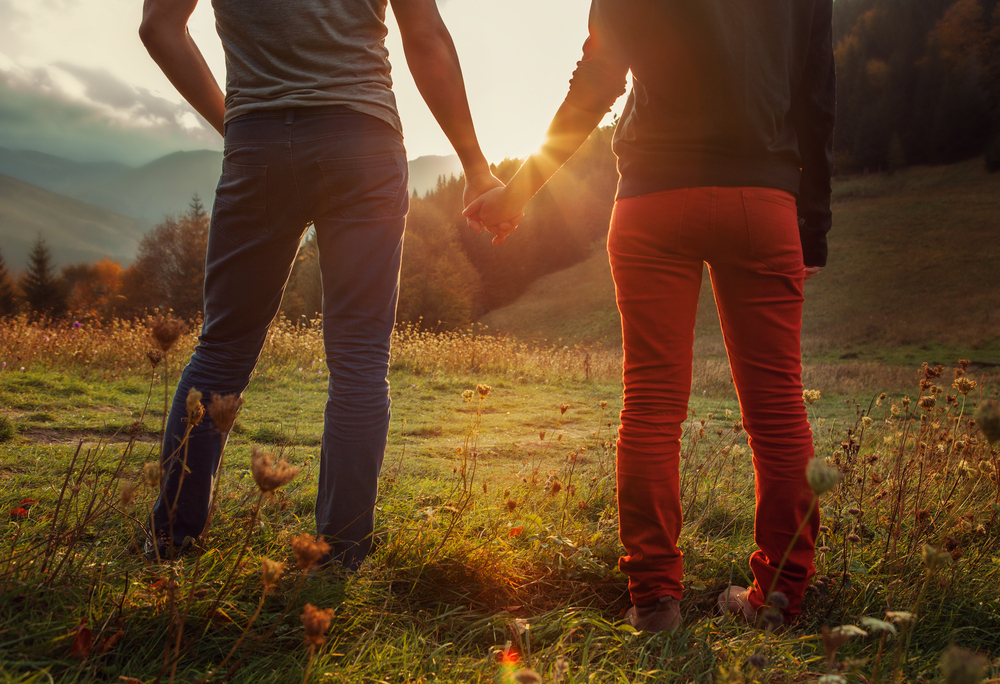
x: 425, y: 171
x: 74, y: 231
x: 163, y: 186
x: 913, y: 265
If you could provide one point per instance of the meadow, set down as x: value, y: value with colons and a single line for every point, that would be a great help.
x: 496, y: 530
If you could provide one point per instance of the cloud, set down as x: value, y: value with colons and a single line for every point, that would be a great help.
x: 91, y: 114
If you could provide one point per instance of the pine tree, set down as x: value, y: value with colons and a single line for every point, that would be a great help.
x: 7, y: 302
x: 43, y: 289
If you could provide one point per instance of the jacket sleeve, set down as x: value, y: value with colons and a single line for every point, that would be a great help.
x: 812, y: 113
x: 599, y: 78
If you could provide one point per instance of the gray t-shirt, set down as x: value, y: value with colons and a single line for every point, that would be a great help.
x: 303, y: 53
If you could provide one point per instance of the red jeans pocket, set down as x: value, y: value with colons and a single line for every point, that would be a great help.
x: 773, y: 229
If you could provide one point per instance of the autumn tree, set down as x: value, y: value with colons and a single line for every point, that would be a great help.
x: 94, y: 289
x: 44, y: 291
x: 8, y: 302
x: 169, y: 270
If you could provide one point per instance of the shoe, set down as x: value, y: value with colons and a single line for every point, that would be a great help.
x: 167, y: 551
x: 734, y: 601
x: 662, y: 616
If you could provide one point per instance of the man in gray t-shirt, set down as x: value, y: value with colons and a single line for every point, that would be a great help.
x: 312, y: 136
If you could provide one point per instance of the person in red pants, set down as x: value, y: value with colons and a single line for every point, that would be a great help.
x: 725, y: 154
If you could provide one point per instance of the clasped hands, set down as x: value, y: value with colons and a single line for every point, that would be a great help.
x: 490, y: 205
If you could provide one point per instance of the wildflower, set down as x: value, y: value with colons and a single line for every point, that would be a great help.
x: 905, y: 402
x: 317, y: 622
x: 511, y: 505
x: 555, y: 487
x: 881, y: 398
x: 927, y: 402
x: 223, y: 410
x: 855, y: 511
x: 563, y: 408
x: 853, y: 538
x: 900, y: 617
x: 506, y: 493
x: 810, y: 396
x: 527, y: 676
x: 154, y: 356
x: 988, y: 420
x: 195, y: 409
x: 962, y: 666
x: 604, y: 405
x: 821, y: 477
x: 467, y: 395
x: 166, y: 330
x: 269, y: 475
x: 126, y: 493
x: 483, y: 391
x: 271, y: 572
x: 933, y: 558
x: 875, y: 625
x: 837, y: 637
x: 152, y: 472
x: 308, y: 550
x: 867, y: 421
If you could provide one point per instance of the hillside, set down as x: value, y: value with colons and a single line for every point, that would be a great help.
x: 74, y: 231
x: 912, y: 271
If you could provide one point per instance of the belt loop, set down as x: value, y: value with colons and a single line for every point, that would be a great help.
x: 289, y: 116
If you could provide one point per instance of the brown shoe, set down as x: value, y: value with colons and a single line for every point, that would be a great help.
x: 734, y: 601
x: 662, y: 616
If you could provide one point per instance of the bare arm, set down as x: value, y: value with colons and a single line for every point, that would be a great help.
x: 433, y: 61
x: 164, y: 33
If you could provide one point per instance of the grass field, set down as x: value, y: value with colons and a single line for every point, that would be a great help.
x: 911, y: 277
x: 496, y: 531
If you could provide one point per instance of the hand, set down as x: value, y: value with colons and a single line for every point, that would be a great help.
x: 497, y: 211
x: 475, y: 186
x: 811, y: 271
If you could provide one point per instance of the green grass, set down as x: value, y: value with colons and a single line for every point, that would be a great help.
x: 459, y: 582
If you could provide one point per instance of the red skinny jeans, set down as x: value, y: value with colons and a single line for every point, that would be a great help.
x: 657, y: 244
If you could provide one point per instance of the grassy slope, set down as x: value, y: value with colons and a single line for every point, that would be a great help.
x: 911, y: 274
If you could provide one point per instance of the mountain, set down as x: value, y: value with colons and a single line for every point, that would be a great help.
x: 425, y: 171
x: 74, y: 231
x: 55, y: 173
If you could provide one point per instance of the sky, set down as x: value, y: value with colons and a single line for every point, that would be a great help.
x: 75, y: 80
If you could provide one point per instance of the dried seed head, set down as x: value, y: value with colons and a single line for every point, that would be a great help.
x: 933, y: 558
x: 811, y: 396
x: 962, y: 666
x: 927, y: 402
x: 223, y: 410
x: 195, y: 410
x: 270, y: 475
x: 778, y: 600
x: 152, y: 472
x: 900, y: 617
x: 483, y: 391
x: 821, y: 477
x: 317, y: 622
x: 271, y: 572
x: 154, y: 356
x: 563, y: 408
x: 604, y: 404
x: 511, y: 505
x: 126, y: 493
x: 527, y: 676
x: 467, y: 395
x: 853, y: 538
x: 855, y: 511
x: 555, y: 487
x: 308, y: 550
x: 166, y: 330
x: 964, y: 385
x: 881, y: 398
x: 988, y: 420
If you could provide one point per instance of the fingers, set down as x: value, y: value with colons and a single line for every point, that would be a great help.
x: 811, y: 271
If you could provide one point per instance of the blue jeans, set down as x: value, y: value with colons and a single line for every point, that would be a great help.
x: 346, y: 173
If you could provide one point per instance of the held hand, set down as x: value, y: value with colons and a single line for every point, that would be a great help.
x: 497, y: 211
x: 475, y: 186
x: 811, y: 271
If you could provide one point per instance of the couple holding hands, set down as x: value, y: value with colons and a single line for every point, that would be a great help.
x: 724, y: 154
